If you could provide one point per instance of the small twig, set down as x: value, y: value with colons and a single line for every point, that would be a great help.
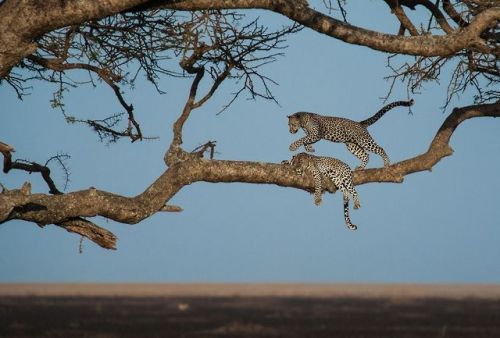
x: 200, y: 150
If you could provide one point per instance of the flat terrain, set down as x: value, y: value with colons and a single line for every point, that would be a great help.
x: 263, y: 310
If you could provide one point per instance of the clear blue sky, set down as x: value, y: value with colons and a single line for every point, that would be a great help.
x: 439, y: 226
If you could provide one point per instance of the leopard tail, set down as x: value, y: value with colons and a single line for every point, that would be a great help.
x: 346, y: 216
x: 368, y: 122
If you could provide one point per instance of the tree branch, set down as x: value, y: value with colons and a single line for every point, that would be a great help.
x: 21, y: 26
x: 448, y: 44
x: 404, y: 20
x: 440, y: 18
x: 188, y: 106
x: 438, y: 149
x: 60, y: 209
x: 93, y: 232
x: 30, y: 167
x: 454, y: 15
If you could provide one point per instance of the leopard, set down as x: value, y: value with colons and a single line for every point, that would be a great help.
x: 333, y: 169
x: 341, y: 130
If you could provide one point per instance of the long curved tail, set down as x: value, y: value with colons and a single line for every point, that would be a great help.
x: 385, y: 109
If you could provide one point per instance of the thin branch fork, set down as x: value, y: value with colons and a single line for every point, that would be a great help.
x: 440, y: 18
x: 30, y: 167
x: 405, y: 22
x: 110, y: 79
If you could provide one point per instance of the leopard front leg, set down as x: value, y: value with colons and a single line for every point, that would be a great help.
x: 318, y: 189
x: 309, y: 148
x: 307, y: 141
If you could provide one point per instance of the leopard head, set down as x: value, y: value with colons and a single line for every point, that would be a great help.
x: 300, y: 160
x: 294, y: 122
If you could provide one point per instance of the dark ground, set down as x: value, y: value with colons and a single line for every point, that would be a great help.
x: 47, y: 316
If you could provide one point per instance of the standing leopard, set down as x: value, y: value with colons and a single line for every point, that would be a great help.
x: 335, y: 170
x: 337, y: 129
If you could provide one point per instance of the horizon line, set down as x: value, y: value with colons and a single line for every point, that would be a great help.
x: 245, y: 289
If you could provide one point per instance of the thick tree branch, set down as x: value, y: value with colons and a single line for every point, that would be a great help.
x: 448, y: 44
x: 22, y: 22
x: 60, y: 209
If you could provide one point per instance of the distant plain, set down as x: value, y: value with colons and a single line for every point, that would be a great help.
x: 249, y: 310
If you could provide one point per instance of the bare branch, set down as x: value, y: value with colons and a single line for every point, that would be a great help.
x: 109, y: 78
x: 93, y: 232
x: 454, y: 15
x: 32, y: 167
x: 436, y: 13
x: 404, y: 20
x: 188, y: 106
x: 200, y: 150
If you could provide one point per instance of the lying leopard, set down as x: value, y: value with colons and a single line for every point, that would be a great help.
x: 335, y: 170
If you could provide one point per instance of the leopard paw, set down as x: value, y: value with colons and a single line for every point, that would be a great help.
x: 309, y: 148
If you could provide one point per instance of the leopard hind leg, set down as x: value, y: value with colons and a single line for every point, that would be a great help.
x: 369, y: 144
x: 380, y: 151
x: 360, y: 153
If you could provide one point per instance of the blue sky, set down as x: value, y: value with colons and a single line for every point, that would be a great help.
x: 439, y: 226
